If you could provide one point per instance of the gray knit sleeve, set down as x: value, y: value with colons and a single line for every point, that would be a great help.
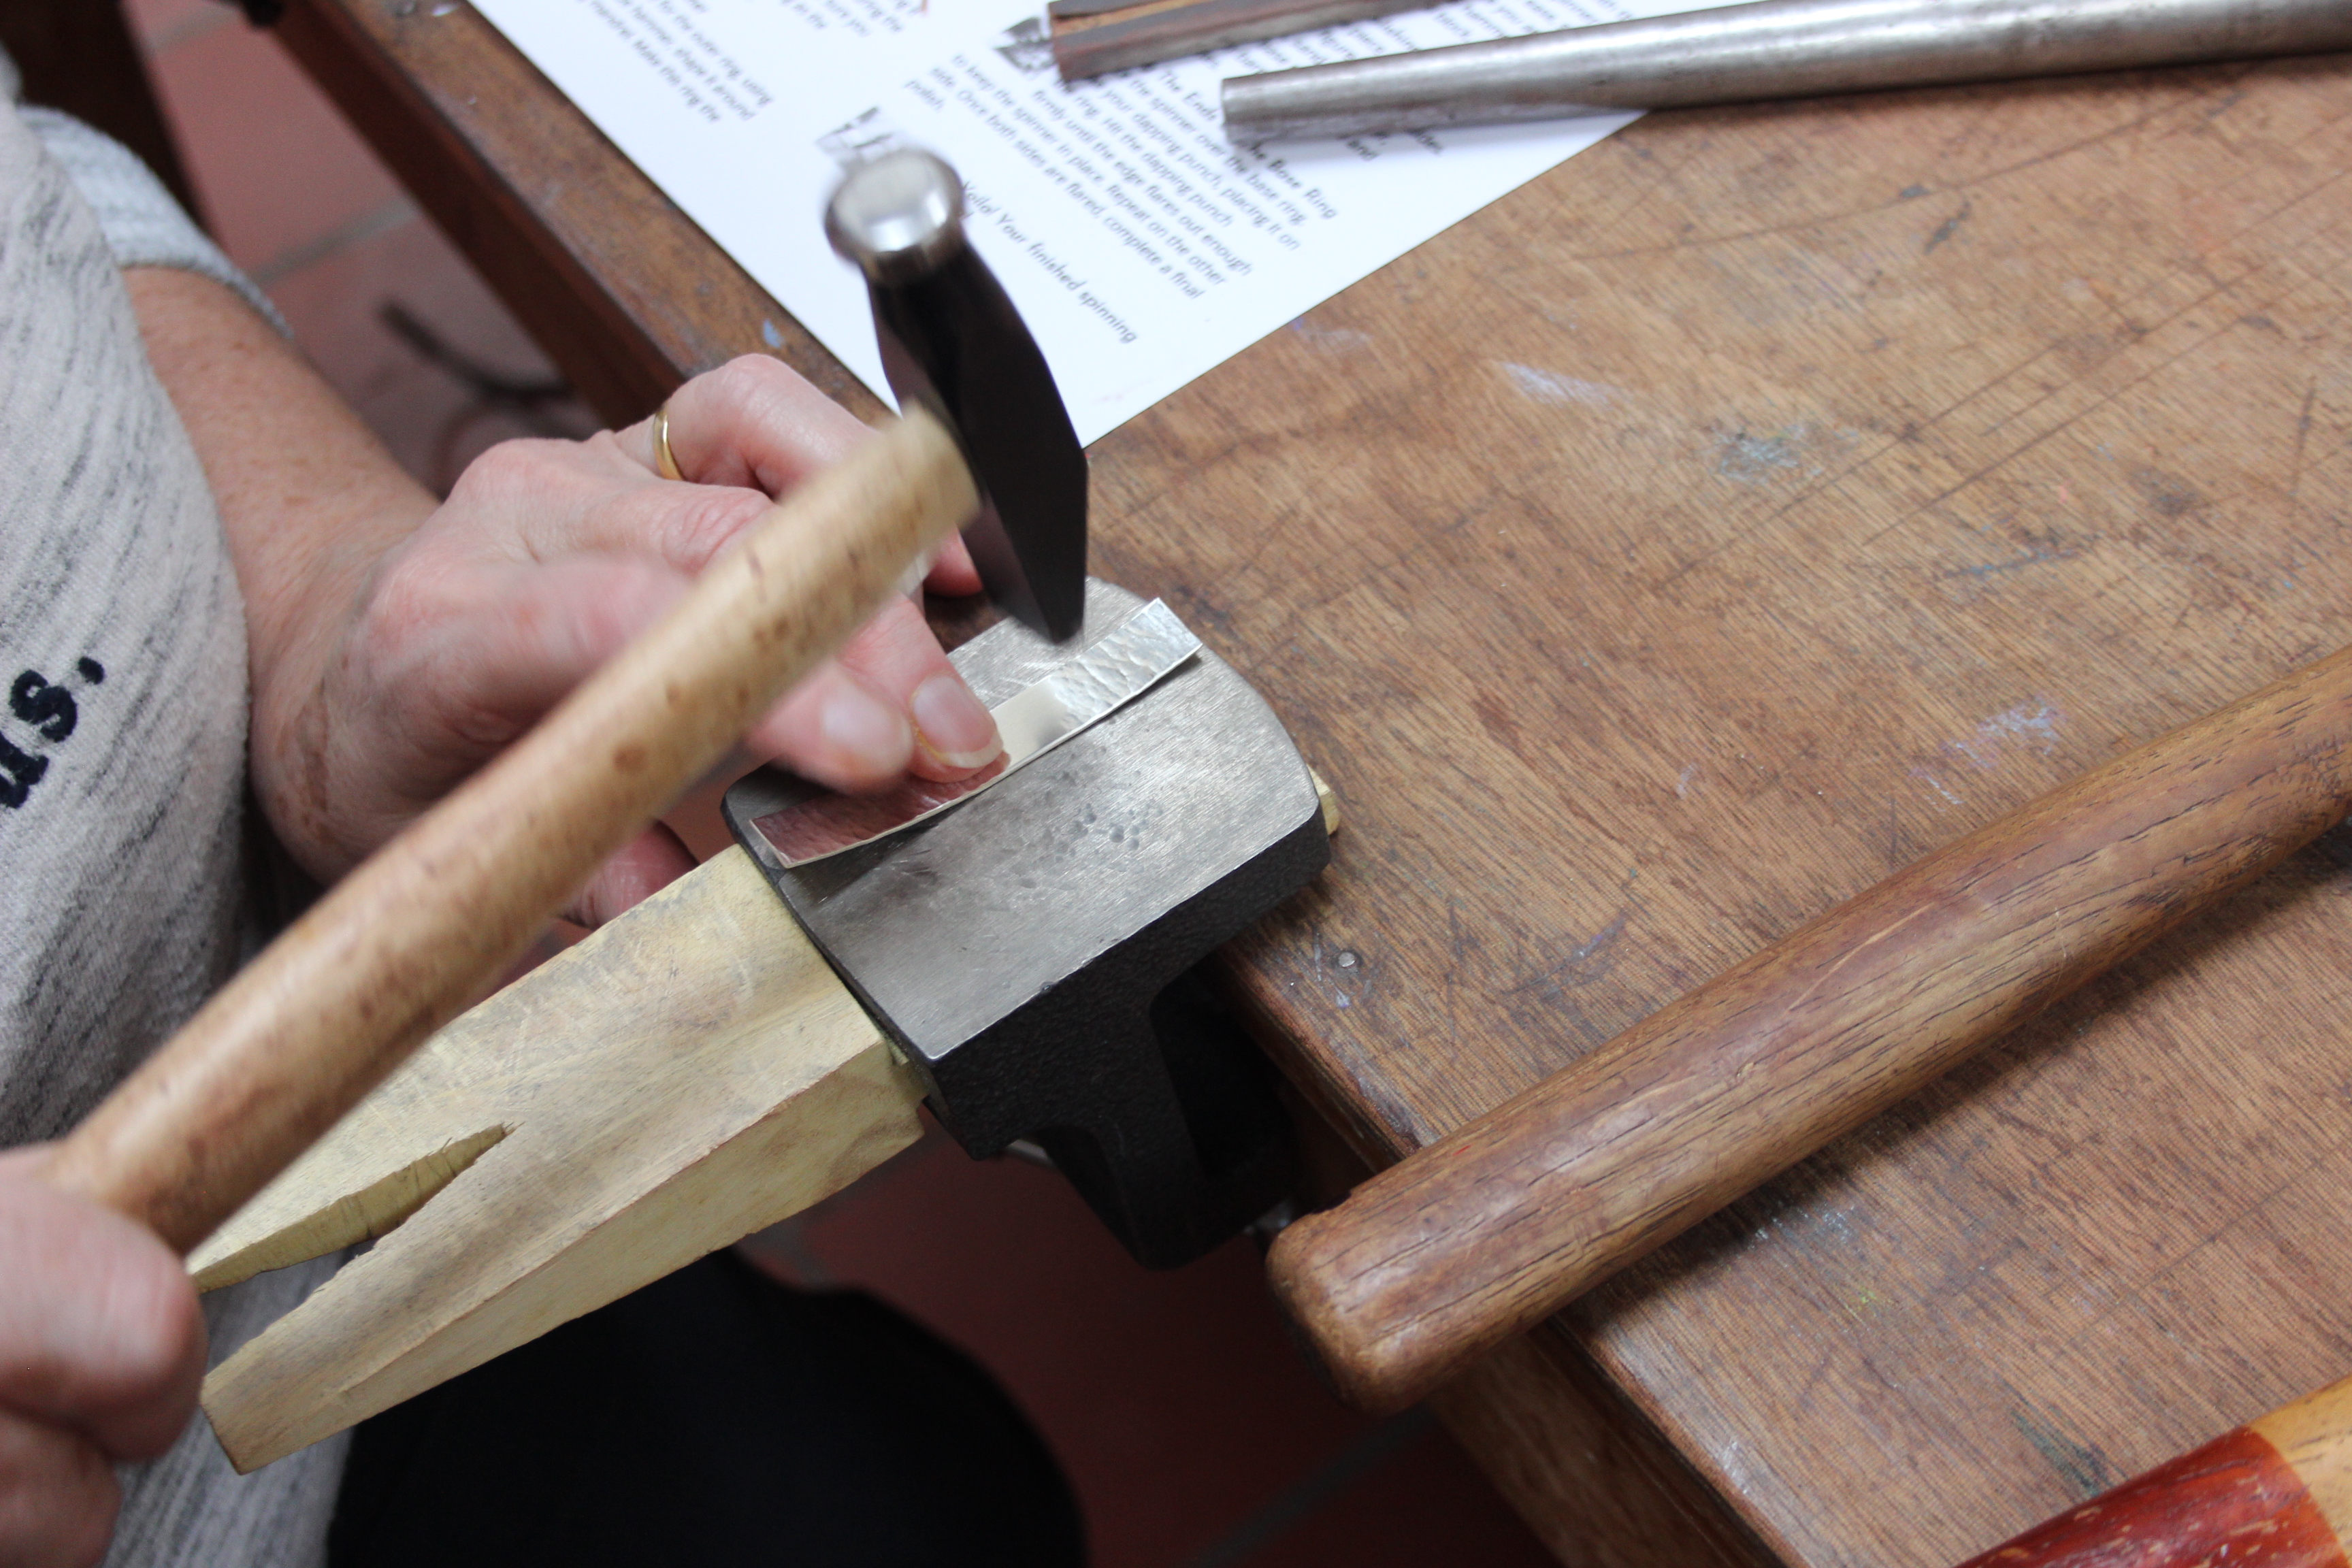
x: 143, y: 226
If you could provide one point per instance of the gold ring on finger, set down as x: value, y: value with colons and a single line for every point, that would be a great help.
x: 665, y: 460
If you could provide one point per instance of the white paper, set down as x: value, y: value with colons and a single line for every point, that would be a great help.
x: 1140, y: 248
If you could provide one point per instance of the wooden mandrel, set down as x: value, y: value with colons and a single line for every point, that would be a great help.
x: 1493, y: 1227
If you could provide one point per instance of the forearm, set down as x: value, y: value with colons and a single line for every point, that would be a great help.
x: 397, y: 643
x: 310, y: 500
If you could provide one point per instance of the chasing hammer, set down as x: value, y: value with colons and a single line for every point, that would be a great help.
x: 1495, y: 1226
x: 1772, y: 48
x: 393, y: 950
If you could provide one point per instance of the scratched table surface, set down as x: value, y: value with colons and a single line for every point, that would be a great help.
x: 1657, y: 559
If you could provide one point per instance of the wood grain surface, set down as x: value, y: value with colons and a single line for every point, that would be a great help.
x: 1502, y: 1222
x: 1710, y: 529
x: 1668, y: 553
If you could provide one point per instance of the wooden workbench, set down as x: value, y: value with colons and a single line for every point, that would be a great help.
x: 1671, y: 550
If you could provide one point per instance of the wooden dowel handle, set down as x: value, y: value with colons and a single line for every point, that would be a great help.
x: 2275, y: 1493
x: 396, y: 947
x: 1489, y: 1229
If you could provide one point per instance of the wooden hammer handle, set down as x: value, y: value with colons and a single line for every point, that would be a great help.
x: 2276, y: 1491
x: 400, y: 944
x: 1489, y: 1229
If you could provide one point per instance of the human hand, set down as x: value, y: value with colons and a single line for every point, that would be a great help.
x: 547, y: 557
x: 101, y: 1352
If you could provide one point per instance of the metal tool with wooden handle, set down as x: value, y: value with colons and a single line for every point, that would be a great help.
x: 393, y: 951
x: 1493, y: 1227
x: 2276, y: 1491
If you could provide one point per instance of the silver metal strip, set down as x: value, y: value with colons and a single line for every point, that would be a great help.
x: 1122, y: 665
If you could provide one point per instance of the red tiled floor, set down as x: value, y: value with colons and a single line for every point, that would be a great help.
x: 274, y: 164
x: 1194, y: 1434
x: 162, y: 24
x: 298, y: 201
x: 432, y: 421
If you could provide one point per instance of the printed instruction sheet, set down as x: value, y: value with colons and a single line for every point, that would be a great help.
x: 1141, y: 246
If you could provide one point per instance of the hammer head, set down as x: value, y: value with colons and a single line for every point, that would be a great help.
x: 1037, y: 953
x: 951, y: 342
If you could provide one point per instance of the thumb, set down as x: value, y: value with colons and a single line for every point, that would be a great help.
x: 646, y: 865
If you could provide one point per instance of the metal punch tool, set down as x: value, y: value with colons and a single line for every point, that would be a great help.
x: 1772, y: 48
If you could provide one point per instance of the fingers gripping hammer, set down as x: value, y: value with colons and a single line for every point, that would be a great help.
x: 397, y: 947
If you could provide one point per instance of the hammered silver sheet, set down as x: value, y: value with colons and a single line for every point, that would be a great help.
x: 1118, y: 667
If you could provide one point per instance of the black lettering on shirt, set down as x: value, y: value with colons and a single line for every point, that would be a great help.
x: 51, y: 711
x: 49, y: 708
x: 19, y: 772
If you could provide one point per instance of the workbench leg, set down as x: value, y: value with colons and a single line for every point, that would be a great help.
x: 1595, y: 1483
